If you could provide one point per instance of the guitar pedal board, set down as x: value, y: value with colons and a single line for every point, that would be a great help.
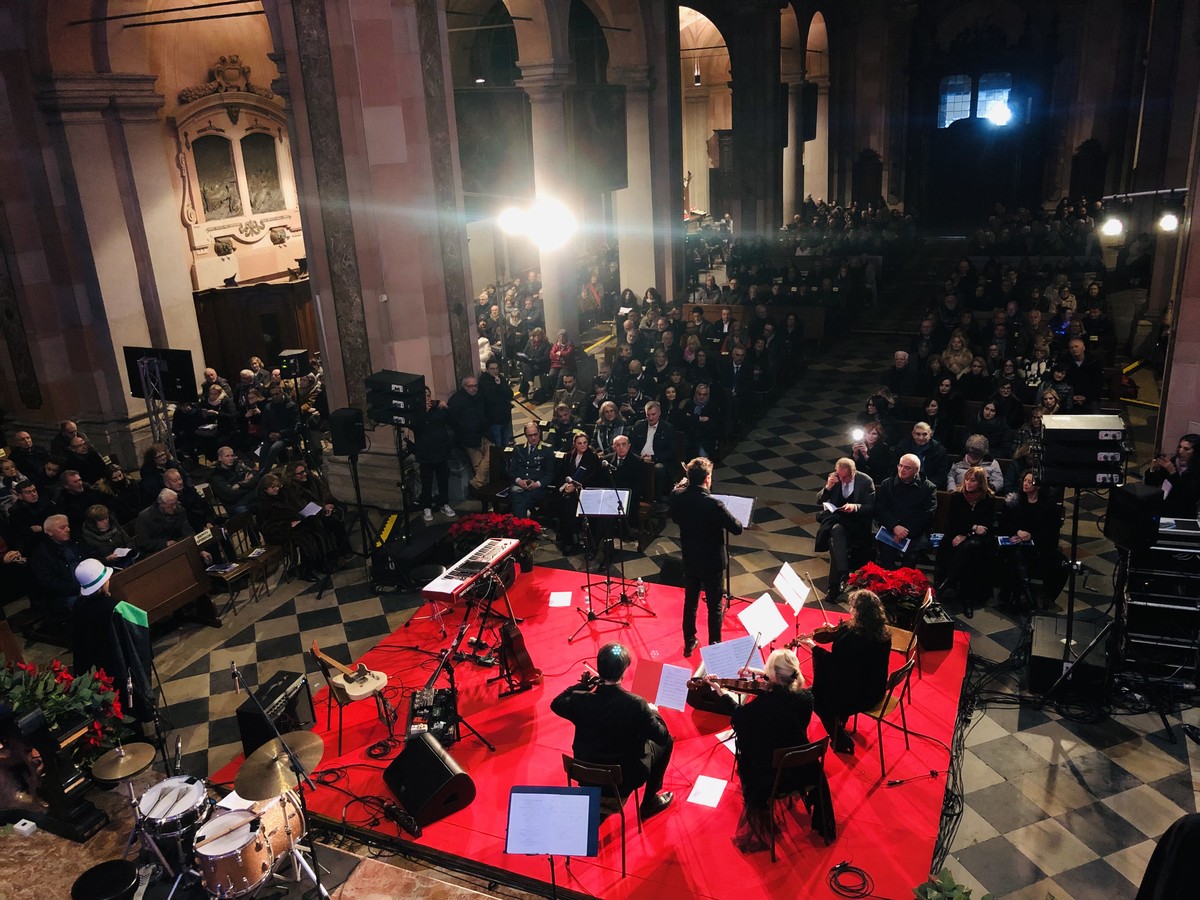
x: 432, y: 711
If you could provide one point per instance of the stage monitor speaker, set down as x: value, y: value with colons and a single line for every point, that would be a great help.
x: 1046, y: 655
x: 288, y: 702
x: 1131, y: 520
x: 427, y: 781
x: 346, y: 431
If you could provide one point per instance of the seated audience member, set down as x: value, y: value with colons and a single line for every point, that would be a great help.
x: 200, y: 513
x: 534, y: 361
x: 845, y: 508
x: 850, y: 667
x: 1178, y: 477
x: 219, y: 421
x: 655, y: 440
x: 562, y: 358
x: 950, y: 401
x: 578, y: 469
x: 281, y: 523
x: 50, y: 479
x: 964, y: 558
x: 943, y: 428
x: 262, y: 375
x: 211, y: 377
x: 497, y: 399
x: 186, y: 423
x: 242, y: 389
x: 83, y: 459
x: 638, y: 377
x: 703, y: 423
x: 103, y: 537
x: 703, y: 369
x: 26, y: 516
x: 613, y: 726
x: 957, y: 356
x: 902, y: 378
x: 233, y: 482
x: 530, y: 471
x: 308, y: 487
x: 1033, y: 520
x: 570, y: 393
x: 994, y: 428
x: 560, y: 432
x: 977, y: 455
x: 904, y: 507
x: 1009, y: 409
x: 53, y: 590
x: 878, y: 409
x: 155, y: 461
x: 14, y: 566
x: 432, y: 447
x: 674, y: 404
x: 29, y: 459
x: 633, y: 403
x: 934, y: 460
x: 74, y: 498
x: 608, y: 426
x: 280, y: 425
x: 627, y: 472
x: 975, y: 383
x: 590, y: 411
x: 60, y: 444
x: 10, y: 477
x: 162, y: 524
x: 872, y: 454
x: 773, y: 720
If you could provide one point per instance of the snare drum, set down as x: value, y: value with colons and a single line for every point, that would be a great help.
x: 175, y: 807
x: 233, y: 854
x: 282, y: 820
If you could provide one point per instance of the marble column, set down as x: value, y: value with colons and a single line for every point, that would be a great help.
x: 696, y: 132
x: 816, y: 151
x: 545, y: 85
x: 315, y: 63
x: 634, y: 206
x: 793, y: 153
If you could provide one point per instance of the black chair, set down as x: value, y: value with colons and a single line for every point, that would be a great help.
x: 815, y: 792
x: 608, y: 779
x: 885, y: 707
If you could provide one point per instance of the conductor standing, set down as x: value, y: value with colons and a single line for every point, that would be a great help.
x: 703, y: 521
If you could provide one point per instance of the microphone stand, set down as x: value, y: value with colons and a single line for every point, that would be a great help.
x: 591, y: 615
x: 623, y: 599
x: 302, y: 780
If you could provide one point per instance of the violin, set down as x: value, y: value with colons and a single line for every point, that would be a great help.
x: 827, y: 628
x: 741, y: 685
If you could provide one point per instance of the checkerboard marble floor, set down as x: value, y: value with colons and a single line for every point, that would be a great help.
x: 1065, y: 800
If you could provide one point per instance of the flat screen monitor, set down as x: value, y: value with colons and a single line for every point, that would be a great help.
x: 178, y: 374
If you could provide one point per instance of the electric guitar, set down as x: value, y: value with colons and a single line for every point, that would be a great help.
x: 354, y: 683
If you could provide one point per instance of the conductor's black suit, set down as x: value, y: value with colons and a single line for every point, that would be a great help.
x: 703, y: 521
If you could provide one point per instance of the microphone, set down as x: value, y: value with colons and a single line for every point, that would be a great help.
x: 178, y: 752
x: 129, y: 689
x: 606, y: 464
x: 233, y: 672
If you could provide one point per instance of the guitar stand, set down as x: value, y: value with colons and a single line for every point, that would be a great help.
x: 516, y: 681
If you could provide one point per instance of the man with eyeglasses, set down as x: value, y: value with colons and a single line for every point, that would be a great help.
x: 468, y: 418
x: 904, y: 508
x: 530, y: 471
x: 84, y: 460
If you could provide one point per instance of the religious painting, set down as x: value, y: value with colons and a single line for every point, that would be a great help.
x: 217, y: 177
x: 262, y: 173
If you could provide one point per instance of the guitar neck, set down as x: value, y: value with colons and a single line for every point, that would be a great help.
x: 345, y: 670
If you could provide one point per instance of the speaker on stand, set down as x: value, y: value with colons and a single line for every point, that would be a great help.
x: 397, y: 399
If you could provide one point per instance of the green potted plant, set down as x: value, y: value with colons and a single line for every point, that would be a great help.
x: 943, y: 887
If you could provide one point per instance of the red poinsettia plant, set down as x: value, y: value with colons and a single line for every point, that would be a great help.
x: 901, y: 590
x: 474, y: 528
x: 66, y: 699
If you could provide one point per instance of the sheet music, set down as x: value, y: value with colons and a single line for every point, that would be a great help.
x: 560, y: 598
x: 741, y: 508
x: 728, y: 740
x: 603, y: 501
x: 707, y: 791
x: 762, y: 617
x: 550, y: 821
x: 791, y: 587
x: 725, y: 660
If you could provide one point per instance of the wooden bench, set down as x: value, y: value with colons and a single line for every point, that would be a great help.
x: 166, y: 581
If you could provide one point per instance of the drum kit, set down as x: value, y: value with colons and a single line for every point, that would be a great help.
x: 231, y: 852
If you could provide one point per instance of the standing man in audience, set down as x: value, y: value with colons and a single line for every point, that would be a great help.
x: 737, y: 378
x: 497, y: 403
x: 613, y: 726
x: 1086, y: 376
x: 703, y: 521
x: 468, y: 418
x: 904, y: 507
x: 628, y: 473
x: 530, y: 471
x: 703, y: 422
x: 844, y: 510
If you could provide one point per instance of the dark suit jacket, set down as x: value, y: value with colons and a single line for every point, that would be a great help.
x: 703, y: 521
x: 852, y: 675
x: 858, y: 524
x: 665, y: 447
x: 742, y: 385
x: 612, y: 726
x: 629, y: 474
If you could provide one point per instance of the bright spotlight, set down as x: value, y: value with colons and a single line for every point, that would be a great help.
x: 1168, y: 222
x: 1112, y: 227
x: 550, y: 224
x: 998, y: 113
x: 481, y: 81
x: 514, y: 220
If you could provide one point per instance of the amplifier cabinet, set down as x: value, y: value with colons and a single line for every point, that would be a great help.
x: 287, y: 699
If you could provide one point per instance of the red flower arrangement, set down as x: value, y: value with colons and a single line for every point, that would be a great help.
x: 64, y: 698
x: 474, y: 528
x: 901, y: 590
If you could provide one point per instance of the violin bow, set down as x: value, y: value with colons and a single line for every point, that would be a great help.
x: 824, y: 614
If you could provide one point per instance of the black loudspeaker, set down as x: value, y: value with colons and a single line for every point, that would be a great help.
x: 1046, y: 655
x: 1131, y: 520
x: 346, y: 431
x: 294, y: 363
x: 288, y: 702
x: 427, y: 781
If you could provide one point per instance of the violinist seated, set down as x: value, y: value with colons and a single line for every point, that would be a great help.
x: 579, y: 469
x: 777, y: 717
x: 850, y: 666
x: 613, y: 725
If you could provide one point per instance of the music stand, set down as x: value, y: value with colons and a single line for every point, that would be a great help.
x: 742, y: 509
x: 553, y: 821
x: 581, y: 511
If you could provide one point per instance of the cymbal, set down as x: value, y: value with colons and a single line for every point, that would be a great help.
x: 123, y: 762
x: 266, y: 772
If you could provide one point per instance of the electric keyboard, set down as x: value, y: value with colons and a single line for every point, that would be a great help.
x: 455, y: 580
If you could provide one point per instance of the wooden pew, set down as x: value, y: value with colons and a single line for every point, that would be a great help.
x: 166, y: 581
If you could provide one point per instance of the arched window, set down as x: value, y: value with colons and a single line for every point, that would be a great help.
x: 954, y: 99
x: 960, y: 97
x: 994, y: 88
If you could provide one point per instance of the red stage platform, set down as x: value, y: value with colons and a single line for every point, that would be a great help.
x: 685, y: 851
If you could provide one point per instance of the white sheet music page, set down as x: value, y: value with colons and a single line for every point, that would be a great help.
x: 725, y: 660
x: 791, y: 588
x: 762, y: 617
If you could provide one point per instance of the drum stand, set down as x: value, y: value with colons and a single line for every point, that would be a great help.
x: 140, y: 834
